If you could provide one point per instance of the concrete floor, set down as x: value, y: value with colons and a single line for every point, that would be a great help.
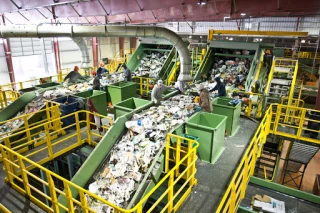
x: 213, y: 179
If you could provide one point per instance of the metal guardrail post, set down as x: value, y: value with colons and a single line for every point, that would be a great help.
x: 88, y: 129
x: 78, y: 127
x: 24, y: 176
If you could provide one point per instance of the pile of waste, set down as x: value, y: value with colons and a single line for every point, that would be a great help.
x: 152, y: 64
x: 132, y: 156
x: 31, y: 107
x: 234, y: 73
x: 40, y: 102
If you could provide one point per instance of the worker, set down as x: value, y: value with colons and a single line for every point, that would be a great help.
x: 127, y: 72
x: 204, y: 77
x: 101, y: 70
x: 96, y: 81
x: 204, y: 101
x: 181, y: 86
x: 157, y: 91
x: 219, y: 87
x: 74, y: 75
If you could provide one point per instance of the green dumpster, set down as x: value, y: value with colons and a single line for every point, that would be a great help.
x: 221, y: 106
x: 98, y: 99
x: 131, y: 105
x: 47, y: 85
x: 121, y: 91
x: 209, y: 128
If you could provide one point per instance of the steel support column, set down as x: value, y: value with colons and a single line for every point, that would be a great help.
x: 133, y: 43
x: 57, y: 54
x: 95, y: 51
x: 8, y: 54
x: 121, y: 46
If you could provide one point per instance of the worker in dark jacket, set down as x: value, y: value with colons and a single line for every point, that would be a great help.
x: 96, y: 81
x: 127, y: 73
x: 204, y: 100
x: 101, y: 70
x: 220, y: 87
x: 74, y: 75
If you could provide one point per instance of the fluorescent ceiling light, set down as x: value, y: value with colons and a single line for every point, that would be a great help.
x: 303, y: 41
x: 202, y: 2
x: 243, y: 14
x: 230, y: 39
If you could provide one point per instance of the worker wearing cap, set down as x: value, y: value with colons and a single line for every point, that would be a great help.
x: 219, y: 87
x: 204, y: 101
x: 101, y: 70
x: 74, y: 75
x: 96, y: 81
x: 157, y: 91
x: 126, y: 72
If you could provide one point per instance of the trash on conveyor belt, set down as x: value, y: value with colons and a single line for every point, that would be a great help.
x: 152, y: 64
x: 131, y: 157
x: 39, y: 102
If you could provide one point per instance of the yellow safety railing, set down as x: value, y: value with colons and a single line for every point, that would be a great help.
x: 173, y: 75
x: 302, y: 55
x: 7, y: 97
x: 283, y: 63
x: 15, y: 138
x: 145, y: 84
x: 259, y: 66
x: 3, y: 209
x: 122, y: 56
x: 274, y: 122
x: 52, y: 142
x: 237, y: 187
x: 181, y: 151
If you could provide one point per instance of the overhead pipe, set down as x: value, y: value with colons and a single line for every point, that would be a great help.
x: 85, y: 59
x: 75, y: 31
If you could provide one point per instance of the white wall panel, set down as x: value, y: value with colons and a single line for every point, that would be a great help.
x: 4, y: 73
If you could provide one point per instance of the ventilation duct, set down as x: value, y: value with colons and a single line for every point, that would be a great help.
x: 75, y: 31
x: 85, y: 59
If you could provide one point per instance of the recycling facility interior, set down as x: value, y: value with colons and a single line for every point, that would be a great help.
x: 71, y: 147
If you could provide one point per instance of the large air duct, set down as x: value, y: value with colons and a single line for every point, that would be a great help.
x: 85, y: 59
x: 74, y: 31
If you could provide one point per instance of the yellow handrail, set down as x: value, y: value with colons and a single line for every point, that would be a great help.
x: 15, y: 165
x: 3, y: 209
x: 302, y: 55
x: 144, y: 84
x: 7, y: 97
x: 274, y: 117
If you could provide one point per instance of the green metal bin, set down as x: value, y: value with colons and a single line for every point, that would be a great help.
x: 209, y: 128
x: 98, y: 99
x: 221, y: 106
x: 131, y: 105
x: 121, y: 91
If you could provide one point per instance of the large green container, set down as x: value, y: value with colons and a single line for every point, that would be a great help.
x: 47, y: 85
x: 209, y: 128
x: 121, y: 91
x: 131, y: 105
x: 221, y: 106
x: 98, y: 99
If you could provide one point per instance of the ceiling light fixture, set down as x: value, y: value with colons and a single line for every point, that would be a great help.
x: 303, y: 41
x: 230, y: 39
x: 243, y: 14
x: 202, y: 2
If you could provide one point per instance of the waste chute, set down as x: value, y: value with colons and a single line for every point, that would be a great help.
x: 74, y: 31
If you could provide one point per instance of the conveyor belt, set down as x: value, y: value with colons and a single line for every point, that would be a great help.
x: 292, y: 204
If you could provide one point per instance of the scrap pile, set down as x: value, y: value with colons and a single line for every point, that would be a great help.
x: 234, y: 73
x: 152, y: 64
x: 40, y: 102
x: 132, y: 156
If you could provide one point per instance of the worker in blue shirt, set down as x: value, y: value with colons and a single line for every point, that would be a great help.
x: 220, y: 87
x: 101, y: 70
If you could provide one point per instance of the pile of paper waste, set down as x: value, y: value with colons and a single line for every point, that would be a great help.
x: 131, y: 157
x: 39, y: 102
